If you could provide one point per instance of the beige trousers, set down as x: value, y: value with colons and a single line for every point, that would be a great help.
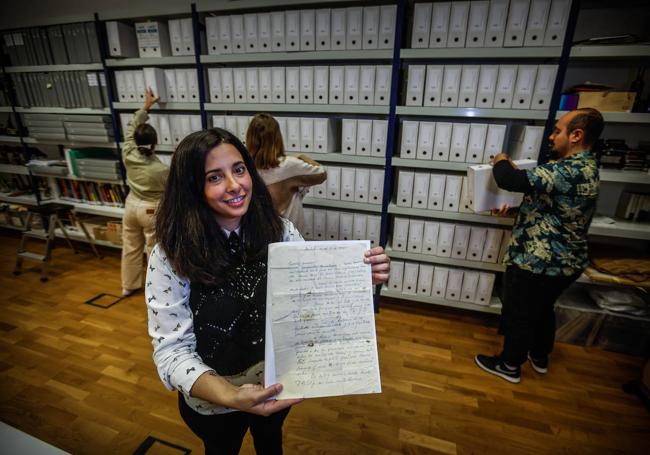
x: 138, y: 227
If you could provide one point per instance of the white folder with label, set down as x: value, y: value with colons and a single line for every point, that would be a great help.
x: 492, y: 245
x: 382, y: 85
x: 459, y: 138
x: 379, y: 132
x: 278, y: 88
x: 505, y: 88
x: 433, y: 85
x: 476, y: 142
x: 484, y: 288
x: 516, y: 25
x: 349, y: 136
x: 436, y: 191
x: 370, y: 36
x: 496, y: 24
x: 543, y: 86
x: 468, y: 86
x: 458, y: 24
x: 470, y: 283
x: 376, y: 192
x: 264, y: 34
x: 333, y: 183
x: 367, y: 85
x: 426, y: 137
x: 387, y: 17
x: 354, y: 29
x: 400, y: 234
x: 415, y: 85
x: 440, y: 276
x: 430, y: 237
x: 306, y: 85
x: 307, y: 135
x: 332, y: 221
x: 453, y: 188
x: 425, y: 279
x: 361, y: 184
x: 347, y: 183
x: 494, y: 141
x: 351, y: 87
x: 442, y: 143
x: 454, y: 284
x: 237, y: 34
x: 396, y: 276
x: 558, y: 17
x: 461, y: 241
x: 337, y: 84
x: 405, y: 188
x: 476, y: 243
x: 359, y: 226
x: 451, y: 86
x: 307, y: 30
x: 420, y: 190
x: 526, y: 75
x: 416, y: 229
x: 265, y: 80
x: 421, y: 25
x: 410, y: 280
x: 250, y: 33
x: 338, y: 26
x: 408, y: 147
x: 277, y: 31
x: 292, y: 78
x: 321, y: 84
x: 445, y: 239
x: 476, y: 25
x: 537, y: 17
x: 345, y: 226
x: 323, y: 34
x: 487, y: 84
x: 292, y: 30
x: 439, y: 25
x: 364, y: 136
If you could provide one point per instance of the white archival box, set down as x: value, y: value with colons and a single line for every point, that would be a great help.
x: 483, y: 190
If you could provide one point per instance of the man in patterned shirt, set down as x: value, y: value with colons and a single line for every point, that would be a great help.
x: 548, y: 248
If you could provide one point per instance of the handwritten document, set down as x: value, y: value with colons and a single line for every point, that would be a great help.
x: 320, y: 322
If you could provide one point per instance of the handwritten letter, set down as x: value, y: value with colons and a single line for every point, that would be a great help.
x: 320, y: 324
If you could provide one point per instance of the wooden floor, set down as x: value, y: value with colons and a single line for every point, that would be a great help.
x: 81, y: 378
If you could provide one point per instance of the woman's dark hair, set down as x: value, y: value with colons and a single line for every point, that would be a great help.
x: 145, y: 138
x: 186, y: 227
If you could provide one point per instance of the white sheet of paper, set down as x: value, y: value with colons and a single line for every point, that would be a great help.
x: 320, y: 322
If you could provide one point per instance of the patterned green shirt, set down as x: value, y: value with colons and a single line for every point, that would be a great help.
x: 550, y: 232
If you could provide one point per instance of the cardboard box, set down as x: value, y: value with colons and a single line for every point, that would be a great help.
x: 100, y: 233
x: 607, y: 101
x: 114, y: 232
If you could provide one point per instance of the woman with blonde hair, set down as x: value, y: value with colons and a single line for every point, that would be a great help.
x: 286, y: 177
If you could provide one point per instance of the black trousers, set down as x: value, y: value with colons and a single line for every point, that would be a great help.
x: 528, y: 313
x: 223, y: 434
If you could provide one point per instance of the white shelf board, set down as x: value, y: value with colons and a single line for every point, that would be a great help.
x: 61, y: 110
x: 621, y: 176
x: 611, y: 51
x: 341, y: 158
x: 494, y: 307
x: 619, y: 117
x: 220, y: 5
x: 151, y: 61
x: 471, y: 112
x: 457, y: 216
x: 48, y: 68
x: 446, y: 261
x: 376, y: 208
x: 368, y: 54
x: 143, y: 10
x: 14, y: 169
x: 318, y: 108
x: 14, y: 139
x: 159, y: 107
x: 482, y: 52
x: 621, y: 228
x: 29, y: 200
x: 430, y: 164
x: 103, y: 210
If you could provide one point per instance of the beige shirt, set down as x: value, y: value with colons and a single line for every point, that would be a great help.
x: 287, y: 183
x: 145, y: 175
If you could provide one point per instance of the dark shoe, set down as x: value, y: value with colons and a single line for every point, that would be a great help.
x: 539, y: 365
x: 497, y: 367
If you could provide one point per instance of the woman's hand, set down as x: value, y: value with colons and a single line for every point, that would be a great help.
x: 149, y: 98
x: 379, y: 264
x: 254, y: 399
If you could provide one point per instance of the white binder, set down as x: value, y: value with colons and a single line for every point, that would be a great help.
x: 450, y: 86
x: 219, y: 121
x: 176, y: 37
x: 306, y: 85
x: 439, y: 24
x: 338, y: 27
x: 364, y: 136
x: 231, y: 124
x: 415, y: 85
x: 307, y: 135
x: 251, y: 43
x: 320, y: 190
x: 227, y: 85
x: 307, y: 30
x: 382, y: 85
x: 416, y: 229
x: 359, y: 223
x: 420, y: 190
x: 537, y: 17
x: 282, y: 124
x: 131, y: 91
x: 494, y: 141
x: 425, y: 279
x: 324, y: 135
x: 453, y: 187
x: 367, y: 85
x: 470, y: 283
x: 496, y: 24
x: 239, y: 84
x: 409, y: 142
x: 445, y: 240
x: 278, y: 92
x: 405, y: 188
x: 492, y: 245
x: 465, y: 204
x: 458, y: 24
x: 242, y: 127
x: 396, y: 276
x: 484, y: 288
x: 543, y: 86
x: 292, y: 80
x: 525, y: 142
x: 214, y: 79
x: 440, y: 276
x: 430, y: 237
x: 120, y: 82
x: 347, y: 184
x: 370, y: 27
x: 351, y: 88
x: 264, y: 33
x: 164, y: 130
x: 376, y: 193
x: 192, y: 85
x: 505, y: 243
x: 349, y: 136
x: 505, y: 88
x: 237, y: 34
x: 387, y: 16
x: 410, y: 279
x: 292, y: 30
x: 461, y: 241
x: 187, y: 35
x: 138, y: 77
x: 321, y: 84
x: 558, y: 18
x: 433, y: 85
x: 122, y: 41
x: 323, y: 34
x: 516, y: 25
x: 526, y: 75
x: 225, y: 35
x: 182, y: 88
x: 176, y: 128
x: 373, y: 229
x: 426, y: 138
x: 153, y: 39
x: 265, y: 80
x: 487, y: 84
x: 421, y: 25
x: 361, y: 185
x: 468, y: 86
x: 442, y: 143
x: 333, y: 183
x: 345, y: 227
x: 459, y: 138
x: 354, y: 29
x: 154, y: 78
x: 308, y: 223
x: 476, y: 243
x: 476, y: 142
x: 476, y: 25
x: 436, y: 191
x: 454, y: 284
x: 293, y: 134
x: 379, y: 132
x: 320, y: 224
x: 337, y: 83
x: 277, y: 31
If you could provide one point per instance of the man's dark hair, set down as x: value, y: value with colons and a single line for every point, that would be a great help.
x: 145, y: 138
x: 186, y: 227
x: 588, y: 120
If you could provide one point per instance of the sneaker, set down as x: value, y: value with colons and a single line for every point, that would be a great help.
x: 496, y: 366
x: 539, y: 365
x: 127, y: 292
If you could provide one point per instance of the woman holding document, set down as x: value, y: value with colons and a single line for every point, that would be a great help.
x: 206, y: 292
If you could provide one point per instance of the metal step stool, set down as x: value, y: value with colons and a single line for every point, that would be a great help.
x: 51, y: 215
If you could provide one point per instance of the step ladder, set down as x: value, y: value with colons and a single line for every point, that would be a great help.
x: 51, y: 215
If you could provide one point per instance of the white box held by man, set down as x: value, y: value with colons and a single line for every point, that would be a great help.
x: 483, y: 190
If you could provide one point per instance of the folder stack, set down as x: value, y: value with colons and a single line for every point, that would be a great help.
x: 45, y: 126
x: 89, y: 128
x: 69, y: 89
x: 322, y: 224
